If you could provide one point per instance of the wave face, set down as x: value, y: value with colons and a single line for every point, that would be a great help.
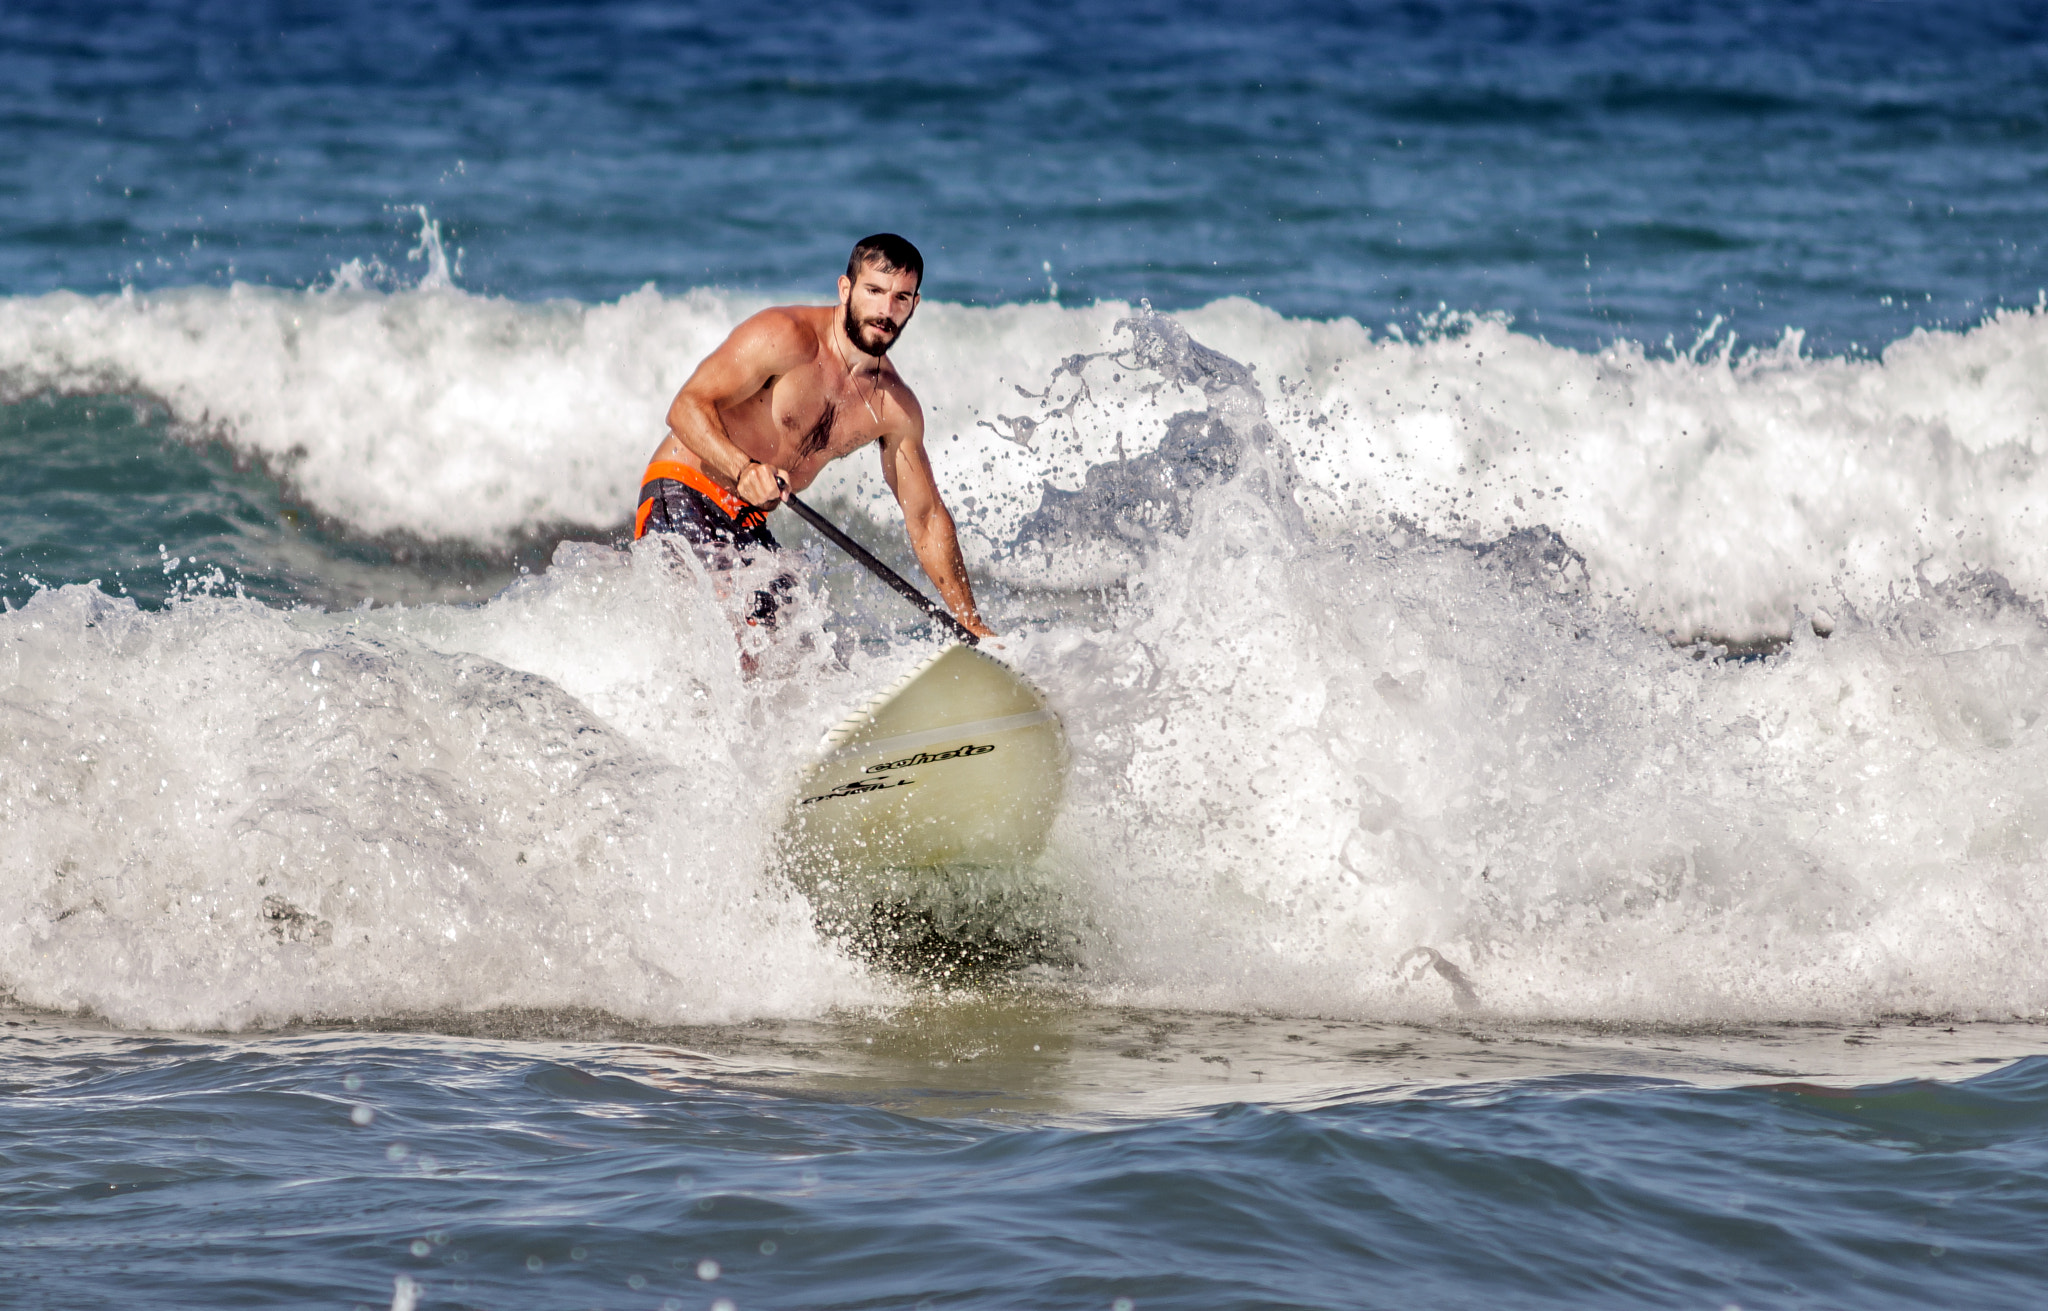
x: 1715, y: 491
x: 1364, y: 644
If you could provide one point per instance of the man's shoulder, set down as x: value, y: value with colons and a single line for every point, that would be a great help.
x: 781, y: 330
x: 906, y: 401
x: 804, y: 323
x: 899, y: 388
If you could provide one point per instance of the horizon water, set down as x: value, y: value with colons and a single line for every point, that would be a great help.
x: 1557, y: 718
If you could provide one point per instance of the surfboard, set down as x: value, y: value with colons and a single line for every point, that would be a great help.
x: 957, y: 766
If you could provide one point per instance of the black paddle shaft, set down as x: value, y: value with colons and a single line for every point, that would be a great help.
x: 880, y: 570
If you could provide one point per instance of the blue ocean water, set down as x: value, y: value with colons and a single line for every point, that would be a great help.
x: 317, y: 1170
x: 1853, y: 169
x: 1378, y: 427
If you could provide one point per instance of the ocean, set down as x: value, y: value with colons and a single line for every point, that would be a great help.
x: 1532, y: 516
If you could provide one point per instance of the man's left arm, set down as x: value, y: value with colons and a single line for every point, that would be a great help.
x: 908, y: 471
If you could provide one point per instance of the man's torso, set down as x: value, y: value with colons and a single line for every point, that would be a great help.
x: 812, y: 414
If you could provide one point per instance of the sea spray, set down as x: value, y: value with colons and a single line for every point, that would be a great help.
x: 1313, y: 731
x: 226, y: 815
x: 1714, y: 492
x: 1306, y: 752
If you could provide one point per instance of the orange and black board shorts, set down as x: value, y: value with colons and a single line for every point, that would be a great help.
x: 722, y: 530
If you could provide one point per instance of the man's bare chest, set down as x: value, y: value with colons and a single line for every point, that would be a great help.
x: 812, y: 418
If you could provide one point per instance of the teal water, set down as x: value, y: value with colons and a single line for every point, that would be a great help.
x: 106, y: 488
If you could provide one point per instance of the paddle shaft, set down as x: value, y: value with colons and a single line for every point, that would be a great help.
x: 880, y: 570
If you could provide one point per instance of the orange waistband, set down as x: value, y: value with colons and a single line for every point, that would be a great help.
x: 696, y: 479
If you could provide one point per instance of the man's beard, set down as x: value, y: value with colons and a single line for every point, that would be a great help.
x: 853, y: 334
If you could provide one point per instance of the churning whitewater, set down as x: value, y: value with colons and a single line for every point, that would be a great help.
x: 1364, y: 643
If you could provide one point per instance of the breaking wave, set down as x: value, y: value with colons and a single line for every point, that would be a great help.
x: 1362, y: 644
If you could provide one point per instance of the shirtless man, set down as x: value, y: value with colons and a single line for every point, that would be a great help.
x: 791, y: 390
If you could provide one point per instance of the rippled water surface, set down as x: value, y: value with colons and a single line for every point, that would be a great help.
x: 1023, y: 1154
x: 1851, y: 169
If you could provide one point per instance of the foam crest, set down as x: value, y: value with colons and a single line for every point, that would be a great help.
x: 436, y: 414
x: 224, y: 815
x: 1718, y: 490
x: 1301, y: 759
x: 425, y: 412
x: 1715, y: 490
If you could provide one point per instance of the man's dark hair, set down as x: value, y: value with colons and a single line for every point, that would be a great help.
x: 891, y: 252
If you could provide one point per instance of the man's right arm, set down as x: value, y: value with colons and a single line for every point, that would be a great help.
x: 763, y: 348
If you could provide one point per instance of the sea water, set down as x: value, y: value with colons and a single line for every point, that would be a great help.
x: 1532, y: 519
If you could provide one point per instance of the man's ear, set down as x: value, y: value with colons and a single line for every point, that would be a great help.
x: 845, y: 288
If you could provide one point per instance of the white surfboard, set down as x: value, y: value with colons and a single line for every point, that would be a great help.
x: 957, y: 766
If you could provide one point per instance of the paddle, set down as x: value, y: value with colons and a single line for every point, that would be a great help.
x: 880, y: 570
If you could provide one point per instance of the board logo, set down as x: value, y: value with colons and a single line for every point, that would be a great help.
x: 859, y: 786
x: 930, y: 757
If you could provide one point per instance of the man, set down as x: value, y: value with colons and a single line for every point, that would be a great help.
x: 791, y: 390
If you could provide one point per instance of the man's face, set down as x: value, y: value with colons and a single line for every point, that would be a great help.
x: 878, y: 305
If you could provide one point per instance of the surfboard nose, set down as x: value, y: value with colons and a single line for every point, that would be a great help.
x: 959, y: 765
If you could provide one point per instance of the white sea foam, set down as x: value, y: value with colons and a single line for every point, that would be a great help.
x: 1717, y: 491
x: 1305, y: 753
x: 1718, y: 494
x: 224, y: 814
x: 1312, y: 730
x: 1302, y: 763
